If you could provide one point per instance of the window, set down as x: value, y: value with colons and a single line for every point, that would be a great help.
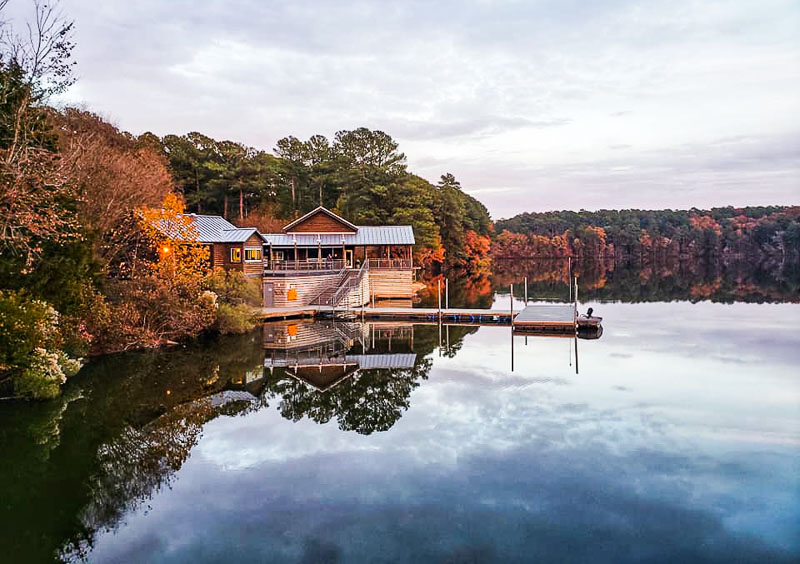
x: 278, y: 255
x: 252, y: 254
x: 236, y: 254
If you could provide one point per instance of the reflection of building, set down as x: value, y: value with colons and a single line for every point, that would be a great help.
x: 323, y: 354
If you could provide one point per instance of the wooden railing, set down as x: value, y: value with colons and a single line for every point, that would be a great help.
x: 304, y: 265
x: 389, y: 264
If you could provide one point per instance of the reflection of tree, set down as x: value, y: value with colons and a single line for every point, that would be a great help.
x: 140, y: 462
x: 467, y: 289
x: 128, y: 422
x: 603, y: 279
x: 121, y: 427
x: 368, y: 401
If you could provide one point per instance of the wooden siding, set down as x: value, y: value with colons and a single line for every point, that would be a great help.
x: 320, y: 222
x: 308, y: 288
x: 391, y: 283
x: 221, y: 256
x: 380, y: 283
x: 253, y: 268
x: 218, y: 251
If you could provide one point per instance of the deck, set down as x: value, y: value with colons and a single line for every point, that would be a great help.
x: 533, y: 318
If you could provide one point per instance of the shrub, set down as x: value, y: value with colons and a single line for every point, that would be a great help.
x: 234, y: 287
x: 234, y: 319
x: 146, y: 310
x: 30, y: 347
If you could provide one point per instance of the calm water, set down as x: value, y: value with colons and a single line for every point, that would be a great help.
x: 676, y: 440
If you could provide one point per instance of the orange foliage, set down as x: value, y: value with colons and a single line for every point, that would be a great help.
x: 703, y: 222
x: 264, y: 219
x: 181, y: 259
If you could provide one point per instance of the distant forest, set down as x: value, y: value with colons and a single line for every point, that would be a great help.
x: 769, y: 234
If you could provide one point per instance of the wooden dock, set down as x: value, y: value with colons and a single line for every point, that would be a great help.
x: 539, y: 317
x: 535, y: 318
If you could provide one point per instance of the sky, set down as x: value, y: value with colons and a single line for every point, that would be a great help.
x: 532, y: 105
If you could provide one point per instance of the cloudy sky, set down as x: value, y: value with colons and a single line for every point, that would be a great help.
x: 532, y: 105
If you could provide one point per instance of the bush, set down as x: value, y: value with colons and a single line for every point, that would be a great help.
x: 234, y: 287
x: 234, y: 319
x: 30, y: 347
x: 146, y: 310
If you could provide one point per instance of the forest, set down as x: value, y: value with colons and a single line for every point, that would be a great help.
x: 768, y: 235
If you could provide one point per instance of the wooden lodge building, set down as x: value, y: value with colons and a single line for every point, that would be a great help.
x: 318, y: 259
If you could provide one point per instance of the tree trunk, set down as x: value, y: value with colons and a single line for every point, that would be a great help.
x: 225, y: 208
x: 241, y: 204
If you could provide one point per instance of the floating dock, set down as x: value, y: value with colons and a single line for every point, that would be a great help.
x: 535, y: 318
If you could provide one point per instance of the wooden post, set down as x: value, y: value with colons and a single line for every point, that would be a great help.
x: 569, y: 273
x: 439, y: 294
x: 511, y: 287
x: 446, y: 294
x: 512, y: 307
x: 575, y: 321
x: 526, y: 291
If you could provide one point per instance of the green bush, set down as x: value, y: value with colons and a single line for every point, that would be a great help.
x: 234, y: 287
x: 234, y: 319
x: 30, y: 347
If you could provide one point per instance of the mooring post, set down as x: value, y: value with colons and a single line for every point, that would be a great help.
x: 575, y: 317
x: 569, y: 274
x: 439, y: 293
x: 511, y: 287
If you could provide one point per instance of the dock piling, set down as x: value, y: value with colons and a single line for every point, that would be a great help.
x: 439, y: 293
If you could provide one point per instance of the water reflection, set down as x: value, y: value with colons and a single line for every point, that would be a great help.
x: 361, y: 441
x: 361, y: 375
x: 603, y: 279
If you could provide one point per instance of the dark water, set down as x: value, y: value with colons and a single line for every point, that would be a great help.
x: 675, y: 441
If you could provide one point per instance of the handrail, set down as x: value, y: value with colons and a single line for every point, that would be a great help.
x: 342, y: 273
x: 349, y: 284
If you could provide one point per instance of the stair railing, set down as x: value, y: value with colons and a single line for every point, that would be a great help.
x: 347, y: 285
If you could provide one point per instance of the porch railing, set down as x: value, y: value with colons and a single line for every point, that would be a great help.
x: 389, y: 264
x: 304, y: 265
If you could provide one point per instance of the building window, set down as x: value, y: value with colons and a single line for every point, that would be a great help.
x: 236, y: 254
x: 252, y: 254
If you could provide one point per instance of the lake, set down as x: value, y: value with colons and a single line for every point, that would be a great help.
x: 672, y: 438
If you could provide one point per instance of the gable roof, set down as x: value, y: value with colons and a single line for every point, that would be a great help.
x: 215, y: 229
x: 326, y: 211
x: 366, y: 235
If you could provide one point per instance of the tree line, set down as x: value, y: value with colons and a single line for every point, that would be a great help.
x: 360, y: 174
x: 768, y: 234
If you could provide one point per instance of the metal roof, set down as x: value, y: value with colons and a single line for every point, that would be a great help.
x: 366, y: 235
x: 215, y: 229
x: 364, y: 361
